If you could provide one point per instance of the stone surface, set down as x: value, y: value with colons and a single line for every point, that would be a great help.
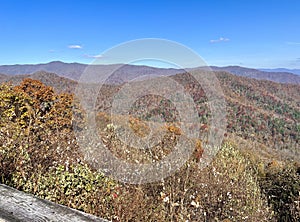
x: 19, y: 206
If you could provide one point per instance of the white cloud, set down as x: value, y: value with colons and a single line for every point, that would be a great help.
x: 75, y: 47
x: 221, y: 39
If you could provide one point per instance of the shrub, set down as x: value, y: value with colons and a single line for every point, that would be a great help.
x: 282, y: 187
x: 76, y: 186
x: 226, y: 190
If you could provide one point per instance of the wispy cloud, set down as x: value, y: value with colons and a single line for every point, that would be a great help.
x: 293, y: 43
x: 293, y: 63
x: 221, y: 39
x: 75, y: 47
x: 93, y: 56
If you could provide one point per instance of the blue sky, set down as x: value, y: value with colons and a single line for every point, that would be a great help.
x: 256, y: 33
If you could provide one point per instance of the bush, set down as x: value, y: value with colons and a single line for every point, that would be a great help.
x: 75, y: 186
x: 226, y: 190
x: 282, y: 187
x: 36, y: 131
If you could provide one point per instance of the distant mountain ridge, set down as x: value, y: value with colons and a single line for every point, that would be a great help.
x: 75, y: 70
x: 127, y: 72
x: 294, y: 71
x: 280, y: 77
x: 70, y: 70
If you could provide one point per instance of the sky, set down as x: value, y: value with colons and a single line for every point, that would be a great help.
x: 256, y: 33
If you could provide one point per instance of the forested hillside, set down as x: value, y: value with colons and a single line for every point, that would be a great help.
x: 256, y: 173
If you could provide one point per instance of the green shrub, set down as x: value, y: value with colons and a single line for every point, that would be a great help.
x: 75, y: 186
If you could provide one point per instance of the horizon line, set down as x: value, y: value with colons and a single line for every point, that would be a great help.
x: 148, y: 65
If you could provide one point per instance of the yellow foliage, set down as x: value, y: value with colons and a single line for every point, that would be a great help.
x: 174, y: 129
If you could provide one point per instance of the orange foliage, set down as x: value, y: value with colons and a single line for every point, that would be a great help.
x: 198, y: 150
x: 140, y: 128
x: 36, y: 90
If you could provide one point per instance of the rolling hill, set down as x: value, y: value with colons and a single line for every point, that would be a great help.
x: 61, y: 84
x: 258, y: 110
